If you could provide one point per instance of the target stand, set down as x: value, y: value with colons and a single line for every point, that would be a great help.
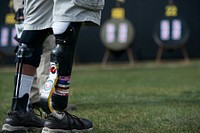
x: 108, y: 53
x: 171, y: 33
x: 161, y: 50
x: 117, y: 34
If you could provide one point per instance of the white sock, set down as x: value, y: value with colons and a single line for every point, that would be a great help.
x: 25, y: 87
x: 26, y: 83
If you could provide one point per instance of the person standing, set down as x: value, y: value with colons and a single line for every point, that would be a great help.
x: 66, y: 18
x: 42, y: 72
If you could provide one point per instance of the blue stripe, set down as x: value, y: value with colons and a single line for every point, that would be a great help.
x: 63, y: 82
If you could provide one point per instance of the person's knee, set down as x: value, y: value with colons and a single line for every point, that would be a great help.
x: 29, y: 55
x: 31, y: 46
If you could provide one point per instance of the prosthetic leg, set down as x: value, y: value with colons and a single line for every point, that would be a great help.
x: 22, y: 118
x: 23, y: 52
x: 28, y: 52
x: 55, y: 92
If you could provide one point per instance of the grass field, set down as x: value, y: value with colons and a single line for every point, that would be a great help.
x: 144, y: 98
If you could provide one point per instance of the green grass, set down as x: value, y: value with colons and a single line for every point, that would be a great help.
x: 145, y: 98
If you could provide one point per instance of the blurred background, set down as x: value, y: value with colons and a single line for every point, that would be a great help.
x: 145, y: 17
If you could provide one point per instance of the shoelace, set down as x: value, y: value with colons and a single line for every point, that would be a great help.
x: 39, y: 111
x: 10, y: 113
x: 73, y: 117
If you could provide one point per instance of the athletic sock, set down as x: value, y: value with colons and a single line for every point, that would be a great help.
x: 22, y: 101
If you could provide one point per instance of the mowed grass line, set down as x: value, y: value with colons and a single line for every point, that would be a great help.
x: 144, y: 98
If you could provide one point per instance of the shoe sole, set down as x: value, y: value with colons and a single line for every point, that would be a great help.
x: 48, y: 130
x: 19, y: 129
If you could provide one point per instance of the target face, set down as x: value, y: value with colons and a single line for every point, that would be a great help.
x: 171, y: 32
x: 117, y: 34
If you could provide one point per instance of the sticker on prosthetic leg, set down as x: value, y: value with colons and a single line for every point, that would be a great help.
x: 49, y: 88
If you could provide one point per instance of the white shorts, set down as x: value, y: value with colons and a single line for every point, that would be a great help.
x: 40, y: 14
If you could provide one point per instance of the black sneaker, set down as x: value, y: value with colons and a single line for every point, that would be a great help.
x: 65, y: 123
x: 17, y: 123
